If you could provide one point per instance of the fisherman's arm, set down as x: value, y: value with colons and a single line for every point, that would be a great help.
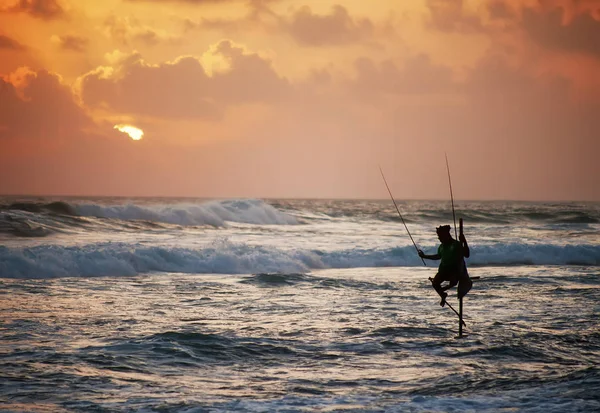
x: 429, y: 257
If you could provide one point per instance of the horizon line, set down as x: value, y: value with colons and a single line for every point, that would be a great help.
x: 295, y: 198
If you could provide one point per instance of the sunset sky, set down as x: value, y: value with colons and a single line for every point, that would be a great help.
x: 303, y: 98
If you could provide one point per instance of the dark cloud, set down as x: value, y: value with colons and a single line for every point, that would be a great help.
x: 41, y: 9
x: 72, y: 42
x: 10, y: 44
x: 169, y: 90
x: 39, y: 105
x: 182, y: 89
x: 565, y: 25
x: 549, y: 29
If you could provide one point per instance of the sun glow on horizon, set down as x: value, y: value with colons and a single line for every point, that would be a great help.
x: 134, y: 133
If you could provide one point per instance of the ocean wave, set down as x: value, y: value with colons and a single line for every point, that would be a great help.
x: 56, y: 207
x: 36, y: 219
x: 22, y: 223
x: 121, y: 259
x: 215, y: 213
x: 23, y: 227
x: 499, y: 216
x: 439, y: 211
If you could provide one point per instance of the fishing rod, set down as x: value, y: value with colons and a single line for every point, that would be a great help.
x: 391, y: 196
x: 451, y: 196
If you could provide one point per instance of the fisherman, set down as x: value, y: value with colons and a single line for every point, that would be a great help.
x: 452, y: 266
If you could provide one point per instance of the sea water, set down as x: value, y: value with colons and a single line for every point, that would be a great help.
x: 189, y: 305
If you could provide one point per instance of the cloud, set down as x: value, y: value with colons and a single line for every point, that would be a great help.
x: 498, y: 9
x: 560, y: 25
x: 336, y: 28
x: 71, y: 42
x: 182, y: 88
x: 551, y: 30
x: 127, y: 30
x: 451, y: 16
x: 259, y: 16
x: 331, y: 29
x: 8, y: 43
x: 250, y: 77
x: 41, y: 9
x: 184, y: 1
x: 201, y: 2
x: 38, y: 105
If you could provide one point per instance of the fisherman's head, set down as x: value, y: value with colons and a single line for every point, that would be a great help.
x: 443, y: 233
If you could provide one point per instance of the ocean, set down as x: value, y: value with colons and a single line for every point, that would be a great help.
x: 250, y: 305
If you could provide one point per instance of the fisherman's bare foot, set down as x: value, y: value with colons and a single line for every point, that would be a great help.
x: 443, y: 302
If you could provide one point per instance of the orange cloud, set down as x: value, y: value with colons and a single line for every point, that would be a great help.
x: 566, y: 25
x: 306, y: 28
x: 551, y: 29
x: 331, y: 29
x: 14, y: 54
x: 71, y: 42
x: 41, y: 9
x: 137, y: 87
x: 10, y: 44
x: 498, y: 9
x: 196, y: 2
x: 127, y: 30
x: 451, y: 16
x: 37, y: 105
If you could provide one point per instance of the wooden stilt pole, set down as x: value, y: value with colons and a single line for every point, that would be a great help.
x: 460, y: 320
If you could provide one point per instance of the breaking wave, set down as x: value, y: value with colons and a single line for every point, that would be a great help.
x: 35, y: 219
x: 121, y: 259
x: 215, y: 213
x: 57, y: 207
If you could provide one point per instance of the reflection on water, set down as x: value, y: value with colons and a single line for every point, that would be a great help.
x: 356, y: 339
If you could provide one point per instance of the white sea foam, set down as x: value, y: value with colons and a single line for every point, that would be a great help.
x: 215, y: 213
x: 121, y: 259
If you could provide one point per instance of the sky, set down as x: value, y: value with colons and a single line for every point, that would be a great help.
x: 301, y: 99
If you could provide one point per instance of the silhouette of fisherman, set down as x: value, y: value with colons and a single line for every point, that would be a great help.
x: 452, y: 266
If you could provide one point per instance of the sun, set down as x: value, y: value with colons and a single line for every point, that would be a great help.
x: 134, y: 133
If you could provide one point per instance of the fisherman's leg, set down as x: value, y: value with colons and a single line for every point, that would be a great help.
x: 436, y: 282
x: 452, y: 283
